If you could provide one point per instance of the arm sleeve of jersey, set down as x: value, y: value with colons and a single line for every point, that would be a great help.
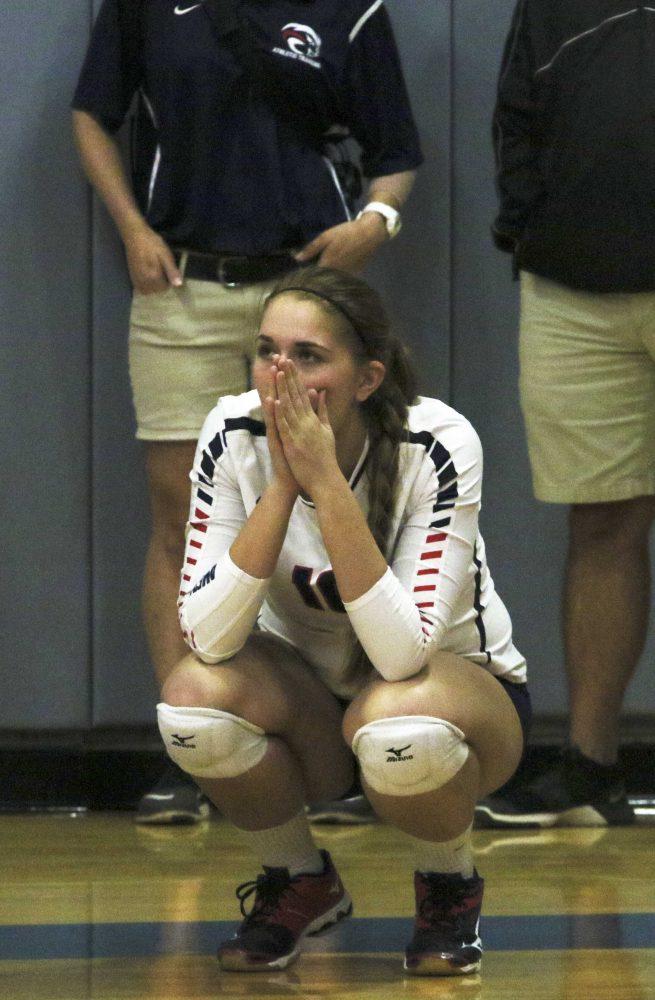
x: 219, y: 603
x: 110, y: 73
x: 409, y: 610
x: 380, y: 115
x: 515, y: 131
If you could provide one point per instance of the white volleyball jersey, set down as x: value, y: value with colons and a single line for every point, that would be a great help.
x: 436, y: 594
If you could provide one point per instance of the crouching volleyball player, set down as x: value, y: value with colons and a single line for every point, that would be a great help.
x: 338, y: 604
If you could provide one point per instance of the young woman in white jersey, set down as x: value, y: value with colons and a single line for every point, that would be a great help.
x: 336, y: 598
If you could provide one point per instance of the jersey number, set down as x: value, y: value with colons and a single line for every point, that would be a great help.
x: 325, y: 587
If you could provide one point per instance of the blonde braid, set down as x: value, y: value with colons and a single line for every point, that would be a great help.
x: 386, y: 417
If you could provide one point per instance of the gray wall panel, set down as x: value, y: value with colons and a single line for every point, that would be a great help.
x: 44, y: 399
x: 415, y: 268
x: 123, y: 686
x: 526, y: 540
x: 123, y: 689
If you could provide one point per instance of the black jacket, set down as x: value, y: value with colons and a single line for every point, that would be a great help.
x: 574, y: 136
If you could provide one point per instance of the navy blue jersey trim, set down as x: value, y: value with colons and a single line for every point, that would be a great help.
x: 205, y: 497
x: 218, y: 443
x: 441, y: 457
x: 479, y: 623
x: 446, y: 499
x: 216, y: 446
x: 255, y: 427
x: 207, y: 465
x: 441, y: 522
x: 445, y: 469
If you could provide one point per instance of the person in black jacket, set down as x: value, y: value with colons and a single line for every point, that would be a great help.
x: 575, y: 152
x: 240, y: 106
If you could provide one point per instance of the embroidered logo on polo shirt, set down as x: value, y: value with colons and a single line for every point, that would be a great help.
x: 302, y: 43
x: 187, y: 10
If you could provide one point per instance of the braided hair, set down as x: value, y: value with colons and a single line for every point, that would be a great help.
x: 357, y: 308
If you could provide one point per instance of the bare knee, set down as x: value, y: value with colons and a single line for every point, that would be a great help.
x: 197, y: 684
x: 168, y: 537
x: 622, y: 522
x: 248, y: 686
x: 185, y: 685
x: 167, y: 466
x: 382, y: 699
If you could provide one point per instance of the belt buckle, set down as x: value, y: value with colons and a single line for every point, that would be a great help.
x: 222, y: 261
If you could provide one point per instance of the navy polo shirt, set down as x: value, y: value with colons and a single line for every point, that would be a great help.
x: 219, y: 167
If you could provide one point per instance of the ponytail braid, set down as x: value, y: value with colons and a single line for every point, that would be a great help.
x: 386, y: 418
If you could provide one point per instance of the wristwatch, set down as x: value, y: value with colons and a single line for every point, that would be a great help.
x: 390, y: 215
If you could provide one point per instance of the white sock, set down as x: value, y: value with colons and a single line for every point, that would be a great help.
x: 446, y: 856
x: 287, y: 846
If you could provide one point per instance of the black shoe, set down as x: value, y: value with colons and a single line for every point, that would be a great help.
x: 175, y: 799
x: 574, y: 792
x: 353, y: 809
x: 446, y: 941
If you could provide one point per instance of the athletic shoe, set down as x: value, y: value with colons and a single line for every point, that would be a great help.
x: 354, y: 809
x: 574, y: 792
x: 446, y: 940
x: 175, y: 799
x: 286, y: 910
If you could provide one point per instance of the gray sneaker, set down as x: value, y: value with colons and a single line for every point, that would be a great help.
x: 575, y: 791
x: 175, y: 799
x: 353, y: 809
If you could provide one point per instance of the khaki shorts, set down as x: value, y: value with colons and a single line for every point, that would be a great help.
x: 187, y: 347
x: 588, y: 391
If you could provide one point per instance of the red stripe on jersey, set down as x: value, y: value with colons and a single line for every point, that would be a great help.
x: 425, y: 586
x: 441, y: 537
x: 425, y: 632
x: 425, y: 572
x: 200, y: 513
x: 196, y: 545
x: 192, y: 561
x: 425, y: 604
x: 432, y: 555
x: 183, y: 593
x: 185, y: 577
x: 198, y: 527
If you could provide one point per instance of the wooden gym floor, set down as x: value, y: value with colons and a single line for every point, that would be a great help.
x: 94, y: 908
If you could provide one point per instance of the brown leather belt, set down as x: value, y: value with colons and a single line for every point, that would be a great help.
x: 233, y: 269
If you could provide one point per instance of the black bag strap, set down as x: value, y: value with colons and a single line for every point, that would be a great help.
x: 130, y: 14
x: 230, y: 25
x: 234, y: 29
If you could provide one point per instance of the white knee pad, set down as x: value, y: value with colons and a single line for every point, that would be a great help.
x: 409, y: 754
x: 209, y: 743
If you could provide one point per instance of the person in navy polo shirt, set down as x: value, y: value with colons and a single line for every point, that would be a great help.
x: 238, y: 108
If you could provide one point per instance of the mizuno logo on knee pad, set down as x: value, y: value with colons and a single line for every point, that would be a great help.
x: 183, y: 741
x: 426, y: 753
x: 219, y: 744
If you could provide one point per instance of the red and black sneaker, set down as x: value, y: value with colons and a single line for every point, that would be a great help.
x: 285, y: 911
x: 446, y: 940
